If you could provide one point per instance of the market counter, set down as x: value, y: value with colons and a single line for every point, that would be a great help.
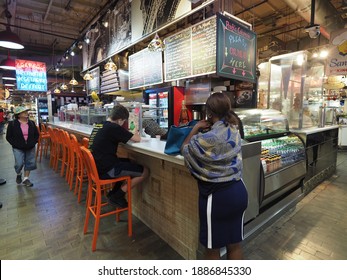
x: 167, y: 202
x: 321, y: 146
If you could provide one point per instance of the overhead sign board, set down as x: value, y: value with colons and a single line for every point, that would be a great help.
x: 236, y: 50
x: 31, y: 75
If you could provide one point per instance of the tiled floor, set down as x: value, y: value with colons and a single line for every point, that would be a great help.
x: 46, y: 222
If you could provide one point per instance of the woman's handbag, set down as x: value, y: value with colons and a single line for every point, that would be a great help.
x: 176, y: 137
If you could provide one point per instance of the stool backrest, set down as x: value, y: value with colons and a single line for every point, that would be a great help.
x: 85, y: 142
x: 89, y: 163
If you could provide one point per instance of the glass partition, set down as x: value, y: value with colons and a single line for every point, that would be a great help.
x: 295, y: 88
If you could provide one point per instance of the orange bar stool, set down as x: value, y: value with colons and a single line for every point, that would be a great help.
x: 43, y: 142
x: 85, y: 142
x: 81, y: 174
x: 53, y: 149
x: 60, y: 150
x: 70, y: 161
x: 96, y: 189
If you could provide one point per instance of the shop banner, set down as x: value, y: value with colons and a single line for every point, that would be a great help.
x: 337, y: 59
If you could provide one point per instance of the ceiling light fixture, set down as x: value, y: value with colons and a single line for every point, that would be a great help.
x: 63, y: 86
x: 56, y: 90
x: 73, y: 80
x: 9, y: 75
x: 88, y: 76
x: 9, y: 85
x: 8, y: 39
x: 110, y: 65
x: 8, y: 63
x: 156, y: 45
x: 80, y: 45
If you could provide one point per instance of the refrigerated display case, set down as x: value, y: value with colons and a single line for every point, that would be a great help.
x: 42, y: 109
x: 164, y: 105
x: 283, y: 158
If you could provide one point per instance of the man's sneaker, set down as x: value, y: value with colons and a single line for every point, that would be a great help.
x: 19, y: 179
x: 27, y: 183
x: 117, y: 201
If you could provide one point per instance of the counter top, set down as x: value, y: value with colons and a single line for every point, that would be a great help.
x: 312, y: 130
x: 148, y: 146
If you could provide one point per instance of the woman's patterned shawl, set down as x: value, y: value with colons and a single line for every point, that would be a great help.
x: 215, y: 156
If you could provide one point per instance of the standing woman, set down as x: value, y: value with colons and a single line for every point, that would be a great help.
x: 214, y: 159
x: 23, y: 135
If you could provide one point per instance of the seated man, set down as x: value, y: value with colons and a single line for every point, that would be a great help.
x: 104, y: 149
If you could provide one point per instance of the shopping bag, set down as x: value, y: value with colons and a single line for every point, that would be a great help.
x: 176, y: 137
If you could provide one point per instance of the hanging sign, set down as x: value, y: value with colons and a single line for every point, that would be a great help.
x: 145, y: 69
x: 191, y: 52
x: 31, y: 75
x: 236, y: 50
x: 337, y: 58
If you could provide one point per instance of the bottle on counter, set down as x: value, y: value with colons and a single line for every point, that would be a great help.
x: 184, y: 117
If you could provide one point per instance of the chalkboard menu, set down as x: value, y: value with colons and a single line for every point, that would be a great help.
x: 236, y: 47
x: 204, y: 47
x: 145, y: 68
x: 31, y: 75
x: 191, y: 52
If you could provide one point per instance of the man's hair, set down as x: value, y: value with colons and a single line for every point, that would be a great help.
x: 119, y: 112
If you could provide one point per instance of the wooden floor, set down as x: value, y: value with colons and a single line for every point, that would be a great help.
x: 46, y: 222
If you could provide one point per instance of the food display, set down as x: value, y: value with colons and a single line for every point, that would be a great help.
x: 260, y: 124
x: 281, y: 152
x: 282, y: 156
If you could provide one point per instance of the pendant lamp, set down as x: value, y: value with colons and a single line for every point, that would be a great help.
x: 8, y: 39
x: 9, y: 75
x: 8, y: 63
x: 56, y: 90
x: 110, y: 65
x: 63, y: 86
x: 88, y: 76
x: 73, y: 80
x: 156, y: 45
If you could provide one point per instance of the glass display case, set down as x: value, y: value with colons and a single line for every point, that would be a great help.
x: 259, y: 124
x: 83, y: 115
x: 283, y: 157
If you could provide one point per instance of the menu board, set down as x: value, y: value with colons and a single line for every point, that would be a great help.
x: 31, y: 75
x: 191, y: 52
x: 204, y: 47
x: 178, y: 56
x: 145, y: 68
x: 236, y: 50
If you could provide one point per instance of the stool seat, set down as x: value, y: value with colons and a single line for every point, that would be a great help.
x: 97, y: 189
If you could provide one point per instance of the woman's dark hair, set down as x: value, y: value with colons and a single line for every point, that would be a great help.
x: 119, y: 112
x: 219, y: 105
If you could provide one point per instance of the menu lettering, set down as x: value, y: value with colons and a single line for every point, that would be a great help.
x: 236, y: 46
x: 191, y: 52
x: 145, y: 68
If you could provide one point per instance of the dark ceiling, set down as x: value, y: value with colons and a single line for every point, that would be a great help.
x: 48, y: 28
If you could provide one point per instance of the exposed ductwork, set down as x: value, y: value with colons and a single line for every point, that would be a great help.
x: 323, y: 13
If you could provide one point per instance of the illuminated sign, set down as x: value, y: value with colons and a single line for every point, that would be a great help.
x: 31, y: 75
